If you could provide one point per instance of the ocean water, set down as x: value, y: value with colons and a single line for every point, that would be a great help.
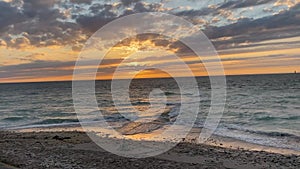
x: 261, y: 109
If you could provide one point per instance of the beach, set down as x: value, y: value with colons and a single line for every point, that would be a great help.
x: 71, y: 148
x: 155, y: 84
x: 259, y: 128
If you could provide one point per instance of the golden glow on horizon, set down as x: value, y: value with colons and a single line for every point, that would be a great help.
x: 251, y: 62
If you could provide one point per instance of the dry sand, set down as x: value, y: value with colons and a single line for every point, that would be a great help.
x: 74, y: 149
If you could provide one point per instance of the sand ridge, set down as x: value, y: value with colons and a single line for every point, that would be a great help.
x: 73, y: 149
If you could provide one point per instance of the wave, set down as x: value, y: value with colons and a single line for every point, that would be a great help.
x: 141, y: 103
x: 56, y: 121
x: 269, y: 118
x: 13, y: 119
x: 170, y: 93
x: 265, y: 133
x: 61, y: 114
x: 116, y: 117
x: 274, y: 134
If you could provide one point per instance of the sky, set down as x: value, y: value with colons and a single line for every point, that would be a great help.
x: 40, y: 40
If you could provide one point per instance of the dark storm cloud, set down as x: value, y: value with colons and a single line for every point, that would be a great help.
x: 129, y: 2
x: 19, y: 43
x: 243, y: 3
x: 9, y: 15
x: 36, y: 68
x: 70, y: 22
x: 81, y: 1
x: 283, y: 25
x: 93, y: 23
x: 41, y: 9
x: 35, y: 65
x: 38, y: 4
x: 279, y: 22
x: 247, y: 43
x: 168, y: 60
x: 18, y: 75
x: 200, y: 12
x: 143, y: 7
x: 104, y: 14
x: 227, y: 5
x: 38, y: 22
x: 97, y: 8
x: 46, y: 33
x: 265, y: 63
x: 42, y: 68
x: 46, y: 25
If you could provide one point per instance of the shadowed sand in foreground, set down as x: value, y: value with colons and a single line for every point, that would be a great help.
x: 74, y: 149
x: 5, y: 166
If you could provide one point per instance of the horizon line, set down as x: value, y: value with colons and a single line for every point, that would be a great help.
x: 50, y: 81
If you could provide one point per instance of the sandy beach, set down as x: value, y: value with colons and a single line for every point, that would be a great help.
x: 153, y: 84
x: 74, y: 149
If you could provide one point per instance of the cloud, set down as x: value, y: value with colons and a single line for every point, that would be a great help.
x: 289, y: 3
x: 46, y: 22
x: 2, y: 43
x: 97, y: 8
x: 9, y: 15
x: 37, y: 4
x: 105, y: 13
x: 39, y: 23
x: 129, y: 2
x: 20, y: 43
x: 243, y: 3
x: 283, y: 25
x: 93, y: 23
x: 81, y: 1
x: 46, y: 68
x: 193, y: 12
x: 77, y: 47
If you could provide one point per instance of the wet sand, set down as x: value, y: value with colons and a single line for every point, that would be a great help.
x: 74, y: 149
x: 6, y: 166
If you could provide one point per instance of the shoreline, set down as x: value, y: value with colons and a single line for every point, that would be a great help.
x: 69, y: 147
x: 214, y: 140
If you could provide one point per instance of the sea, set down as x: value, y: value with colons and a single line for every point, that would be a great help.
x: 260, y: 109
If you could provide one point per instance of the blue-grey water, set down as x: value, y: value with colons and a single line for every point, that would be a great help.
x: 262, y: 109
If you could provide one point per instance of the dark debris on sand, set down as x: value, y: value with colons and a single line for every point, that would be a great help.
x: 74, y: 150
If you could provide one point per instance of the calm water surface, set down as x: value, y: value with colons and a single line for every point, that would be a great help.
x: 262, y: 109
